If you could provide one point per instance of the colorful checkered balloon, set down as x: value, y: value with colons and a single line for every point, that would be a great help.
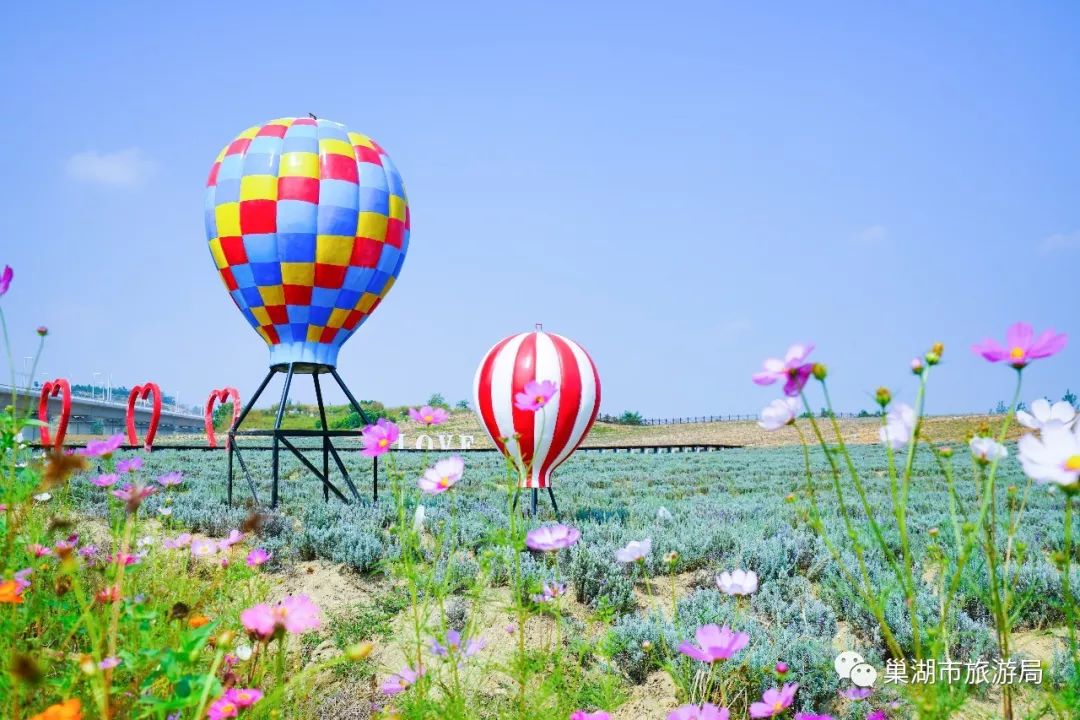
x: 309, y: 226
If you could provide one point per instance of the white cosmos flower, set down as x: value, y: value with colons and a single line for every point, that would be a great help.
x: 1043, y: 414
x: 987, y: 450
x: 779, y: 413
x: 1053, y: 458
x: 418, y: 518
x: 899, y: 427
x: 739, y: 582
x: 243, y: 652
x: 664, y: 515
x: 43, y: 497
x: 634, y: 551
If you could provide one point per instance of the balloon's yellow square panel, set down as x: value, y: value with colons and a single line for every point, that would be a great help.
x: 397, y: 207
x: 259, y: 187
x: 299, y: 164
x: 227, y: 217
x: 298, y: 274
x: 314, y: 332
x: 371, y: 225
x: 261, y: 315
x: 367, y: 301
x: 362, y: 140
x: 333, y: 249
x: 272, y: 294
x: 337, y: 318
x: 219, y: 255
x: 338, y: 147
x: 386, y: 288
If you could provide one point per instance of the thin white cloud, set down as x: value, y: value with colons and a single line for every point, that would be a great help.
x: 871, y: 236
x: 123, y: 168
x: 1060, y: 241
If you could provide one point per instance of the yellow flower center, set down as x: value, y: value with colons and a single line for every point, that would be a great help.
x: 1073, y: 463
x: 244, y: 695
x: 540, y: 399
x: 428, y: 418
x: 383, y: 442
x: 778, y: 706
x: 226, y: 708
x: 444, y: 482
x: 1017, y: 353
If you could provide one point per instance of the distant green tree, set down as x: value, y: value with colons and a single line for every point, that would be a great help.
x: 1069, y: 397
x: 462, y: 405
x: 437, y: 400
x: 630, y: 418
x: 223, y: 416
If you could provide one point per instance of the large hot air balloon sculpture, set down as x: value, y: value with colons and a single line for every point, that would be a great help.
x: 537, y: 440
x: 308, y: 225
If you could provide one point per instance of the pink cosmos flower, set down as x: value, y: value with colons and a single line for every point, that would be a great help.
x: 203, y: 548
x: 857, y: 693
x: 773, y: 702
x: 89, y: 553
x: 64, y: 547
x: 172, y: 478
x: 428, y: 415
x: 258, y: 556
x: 222, y: 708
x: 812, y: 716
x: 109, y: 663
x: 443, y: 476
x: 708, y: 711
x: 551, y: 591
x: 378, y: 438
x: 634, y: 551
x: 126, y: 559
x: 402, y: 681
x: 1021, y: 346
x: 130, y: 465
x: 133, y: 495
x: 552, y: 537
x: 294, y: 614
x: 38, y: 550
x: 234, y: 537
x: 715, y: 643
x: 781, y: 668
x: 244, y: 697
x: 582, y: 715
x: 779, y: 413
x: 877, y: 715
x: 102, y: 448
x: 453, y: 645
x: 107, y: 480
x: 109, y: 594
x: 5, y: 279
x: 536, y: 395
x: 510, y: 628
x: 793, y: 369
x: 21, y: 583
x: 739, y: 582
x: 180, y: 541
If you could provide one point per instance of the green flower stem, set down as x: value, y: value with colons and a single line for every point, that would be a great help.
x: 205, y: 696
x: 1066, y: 588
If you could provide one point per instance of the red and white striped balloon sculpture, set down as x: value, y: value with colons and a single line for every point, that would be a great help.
x: 539, y: 441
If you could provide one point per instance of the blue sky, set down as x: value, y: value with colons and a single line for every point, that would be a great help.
x: 683, y: 188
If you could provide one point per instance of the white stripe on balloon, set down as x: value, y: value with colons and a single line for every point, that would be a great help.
x: 547, y: 368
x: 588, y: 401
x: 502, y: 393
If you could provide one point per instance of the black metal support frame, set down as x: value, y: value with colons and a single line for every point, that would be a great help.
x: 533, y: 502
x: 281, y: 437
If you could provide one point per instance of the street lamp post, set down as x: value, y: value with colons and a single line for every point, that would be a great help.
x: 93, y: 388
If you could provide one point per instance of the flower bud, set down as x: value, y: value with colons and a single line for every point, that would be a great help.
x: 646, y: 645
x: 671, y: 558
x: 932, y: 358
x: 946, y: 452
x: 917, y: 366
x: 819, y: 371
x: 225, y: 639
x: 359, y: 651
x: 87, y: 665
x: 883, y: 396
x: 42, y: 330
x: 782, y: 668
x: 790, y: 497
x: 933, y: 532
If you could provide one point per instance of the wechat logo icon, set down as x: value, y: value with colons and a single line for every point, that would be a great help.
x: 852, y: 666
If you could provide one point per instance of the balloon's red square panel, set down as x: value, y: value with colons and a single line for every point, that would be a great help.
x: 338, y: 167
x: 278, y: 314
x: 352, y: 319
x: 233, y: 249
x: 277, y: 131
x: 297, y: 295
x: 230, y: 281
x: 366, y: 154
x: 395, y: 232
x: 328, y: 334
x: 238, y: 145
x: 258, y: 217
x: 365, y: 253
x: 329, y: 276
x: 298, y: 188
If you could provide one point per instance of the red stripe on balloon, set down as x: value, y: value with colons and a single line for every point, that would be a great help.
x: 596, y: 403
x: 569, y: 405
x: 487, y: 409
x: 524, y: 420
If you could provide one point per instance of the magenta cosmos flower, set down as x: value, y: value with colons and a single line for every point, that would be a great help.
x: 443, y: 476
x: 402, y: 681
x: 222, y: 708
x: 635, y: 550
x: 582, y: 715
x: 170, y: 479
x: 812, y: 716
x: 378, y: 438
x: 102, y: 448
x: 107, y: 480
x: 428, y: 415
x: 773, y: 702
x: 129, y: 465
x: 244, y: 697
x: 1021, y: 346
x: 258, y: 556
x: 536, y: 395
x: 793, y: 369
x: 552, y: 537
x: 109, y: 663
x: 294, y: 614
x: 5, y: 279
x: 708, y: 711
x: 715, y: 643
x: 133, y: 495
x: 857, y: 693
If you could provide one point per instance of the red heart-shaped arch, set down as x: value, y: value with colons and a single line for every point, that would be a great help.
x: 141, y: 392
x: 51, y: 389
x: 223, y: 395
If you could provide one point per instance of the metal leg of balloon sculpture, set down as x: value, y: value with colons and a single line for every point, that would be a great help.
x: 232, y: 441
x: 326, y: 438
x: 277, y: 435
x: 532, y: 508
x: 554, y: 505
x: 363, y: 416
